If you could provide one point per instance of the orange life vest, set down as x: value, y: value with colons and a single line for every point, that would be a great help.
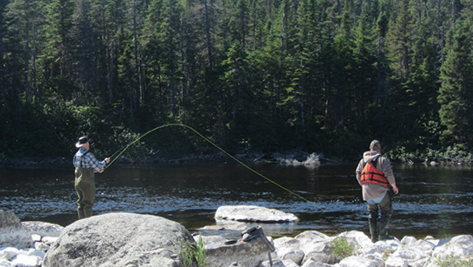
x: 372, y: 175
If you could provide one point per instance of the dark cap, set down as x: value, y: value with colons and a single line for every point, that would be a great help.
x: 375, y: 144
x: 82, y: 141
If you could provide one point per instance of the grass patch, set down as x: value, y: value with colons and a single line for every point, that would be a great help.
x: 451, y: 260
x: 341, y: 248
x: 194, y: 254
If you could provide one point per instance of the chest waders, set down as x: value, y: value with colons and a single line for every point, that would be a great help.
x: 378, y: 226
x: 84, y: 185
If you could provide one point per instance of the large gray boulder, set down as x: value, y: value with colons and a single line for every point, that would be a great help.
x: 119, y: 239
x: 12, y: 233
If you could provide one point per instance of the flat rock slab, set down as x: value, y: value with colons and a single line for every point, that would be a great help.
x: 253, y: 214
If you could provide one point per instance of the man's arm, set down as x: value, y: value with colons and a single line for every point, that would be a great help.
x: 388, y: 172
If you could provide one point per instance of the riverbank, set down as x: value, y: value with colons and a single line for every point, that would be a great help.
x: 294, y: 157
x: 310, y: 248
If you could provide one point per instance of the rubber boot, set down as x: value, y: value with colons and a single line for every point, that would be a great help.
x: 383, y: 225
x: 80, y: 213
x: 374, y: 229
x: 88, y: 212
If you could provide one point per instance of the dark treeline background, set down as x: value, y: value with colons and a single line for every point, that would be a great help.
x: 324, y: 76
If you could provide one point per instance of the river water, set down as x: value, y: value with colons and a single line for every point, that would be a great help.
x: 433, y: 200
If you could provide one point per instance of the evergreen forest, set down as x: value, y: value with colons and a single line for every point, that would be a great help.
x: 324, y: 76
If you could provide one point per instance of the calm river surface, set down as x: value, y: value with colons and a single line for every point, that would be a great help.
x: 435, y: 201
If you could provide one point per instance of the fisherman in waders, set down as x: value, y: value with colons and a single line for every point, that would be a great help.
x: 86, y: 165
x: 376, y: 178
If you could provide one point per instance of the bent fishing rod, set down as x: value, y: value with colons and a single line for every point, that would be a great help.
x: 120, y: 152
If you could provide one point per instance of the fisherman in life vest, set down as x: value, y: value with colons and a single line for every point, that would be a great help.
x: 86, y: 165
x: 375, y: 176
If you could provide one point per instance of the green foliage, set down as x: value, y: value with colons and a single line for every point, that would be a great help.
x: 452, y: 260
x: 193, y: 255
x: 341, y: 248
x: 322, y: 75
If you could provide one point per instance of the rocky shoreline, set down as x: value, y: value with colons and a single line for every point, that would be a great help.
x: 293, y: 157
x: 125, y: 239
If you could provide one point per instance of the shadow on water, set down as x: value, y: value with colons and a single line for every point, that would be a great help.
x: 434, y: 201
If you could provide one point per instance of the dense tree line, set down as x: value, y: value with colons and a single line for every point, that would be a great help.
x: 267, y: 75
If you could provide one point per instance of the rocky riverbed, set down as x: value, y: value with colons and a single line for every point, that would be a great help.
x: 126, y: 239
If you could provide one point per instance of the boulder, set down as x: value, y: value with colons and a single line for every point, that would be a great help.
x: 457, y: 251
x: 362, y: 261
x: 253, y: 214
x: 278, y: 263
x: 9, y: 253
x: 315, y: 263
x: 12, y: 233
x: 249, y: 251
x: 119, y: 239
x: 248, y: 254
x: 288, y: 248
x: 311, y: 241
x: 26, y: 261
x: 213, y: 241
x: 408, y: 256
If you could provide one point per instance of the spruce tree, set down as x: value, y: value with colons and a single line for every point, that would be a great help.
x: 455, y: 93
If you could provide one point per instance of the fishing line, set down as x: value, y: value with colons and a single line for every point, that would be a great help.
x: 219, y: 148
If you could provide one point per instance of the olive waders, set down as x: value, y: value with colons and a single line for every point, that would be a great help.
x: 379, y: 226
x: 85, y: 188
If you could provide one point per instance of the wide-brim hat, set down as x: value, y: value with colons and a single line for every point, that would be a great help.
x: 82, y: 141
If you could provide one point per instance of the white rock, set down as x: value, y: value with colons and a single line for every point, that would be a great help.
x: 36, y: 238
x: 213, y: 241
x: 458, y: 249
x: 49, y: 240
x: 278, y: 263
x: 288, y: 248
x: 9, y: 253
x: 12, y: 234
x: 313, y: 241
x: 409, y: 254
x: 315, y: 263
x: 41, y: 246
x: 359, y: 261
x: 253, y: 214
x: 425, y: 246
x: 36, y: 252
x: 5, y: 263
x: 26, y: 261
x: 295, y: 256
x: 43, y: 228
x: 408, y: 240
x: 356, y: 239
x: 459, y: 246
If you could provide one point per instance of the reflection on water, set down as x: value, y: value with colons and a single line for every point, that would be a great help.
x: 433, y: 201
